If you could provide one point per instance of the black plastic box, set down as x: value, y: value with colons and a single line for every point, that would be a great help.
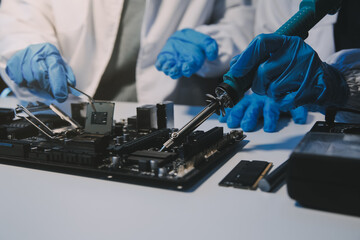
x: 324, y: 172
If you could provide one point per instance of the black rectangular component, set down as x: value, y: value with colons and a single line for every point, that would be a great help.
x: 165, y: 114
x: 246, y: 174
x: 99, y: 117
x: 146, y: 117
x: 198, y: 141
x: 151, y: 160
x: 154, y: 139
x: 131, y: 121
x: 323, y: 170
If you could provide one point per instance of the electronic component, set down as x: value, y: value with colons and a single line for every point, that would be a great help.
x: 28, y: 114
x: 101, y: 120
x: 246, y: 174
x: 21, y: 128
x: 165, y: 114
x: 153, y: 139
x: 151, y: 160
x: 132, y: 122
x: 78, y: 112
x: 323, y: 170
x: 126, y: 151
x: 146, y: 117
x: 273, y: 181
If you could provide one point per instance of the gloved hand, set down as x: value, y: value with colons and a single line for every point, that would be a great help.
x: 41, y: 68
x: 184, y: 53
x: 291, y: 71
x: 245, y: 114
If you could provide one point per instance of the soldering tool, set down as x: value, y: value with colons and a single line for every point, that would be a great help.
x: 231, y: 90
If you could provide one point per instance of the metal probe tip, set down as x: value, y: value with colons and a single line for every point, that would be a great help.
x: 169, y: 142
x: 162, y: 149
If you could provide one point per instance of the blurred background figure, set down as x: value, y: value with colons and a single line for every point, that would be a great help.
x: 109, y: 49
x: 269, y: 16
x: 132, y: 50
x: 319, y: 73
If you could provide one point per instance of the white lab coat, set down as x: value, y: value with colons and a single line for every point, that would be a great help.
x: 85, y: 30
x: 270, y: 15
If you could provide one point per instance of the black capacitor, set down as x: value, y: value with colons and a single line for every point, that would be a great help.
x: 165, y: 114
x: 131, y: 122
x: 118, y: 128
x: 146, y: 117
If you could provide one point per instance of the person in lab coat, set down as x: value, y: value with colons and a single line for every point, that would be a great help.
x: 108, y: 44
x: 232, y: 28
x: 322, y: 72
x: 269, y: 15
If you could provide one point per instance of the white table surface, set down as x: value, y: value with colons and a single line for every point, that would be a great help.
x: 38, y: 204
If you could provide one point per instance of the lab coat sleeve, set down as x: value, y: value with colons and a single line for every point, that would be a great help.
x: 23, y: 22
x: 348, y: 63
x: 232, y: 27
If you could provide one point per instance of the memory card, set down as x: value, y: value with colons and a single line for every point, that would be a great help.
x: 246, y: 174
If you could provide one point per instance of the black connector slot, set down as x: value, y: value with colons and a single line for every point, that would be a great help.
x: 200, y: 140
x: 151, y: 160
x: 151, y: 140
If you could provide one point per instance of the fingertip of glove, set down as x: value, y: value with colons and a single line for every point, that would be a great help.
x: 174, y: 75
x: 248, y: 126
x: 301, y: 120
x: 158, y: 66
x: 233, y: 124
x: 61, y: 99
x: 211, y: 50
x: 270, y: 128
x: 222, y: 119
x: 71, y: 80
x: 60, y: 95
x: 160, y: 61
x: 9, y: 73
x: 299, y: 115
x: 187, y: 71
x: 11, y: 67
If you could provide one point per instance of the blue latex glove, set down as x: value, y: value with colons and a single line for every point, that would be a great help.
x: 245, y: 114
x: 41, y: 68
x: 291, y: 71
x: 185, y: 52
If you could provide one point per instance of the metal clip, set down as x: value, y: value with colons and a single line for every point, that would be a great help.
x: 41, y: 126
